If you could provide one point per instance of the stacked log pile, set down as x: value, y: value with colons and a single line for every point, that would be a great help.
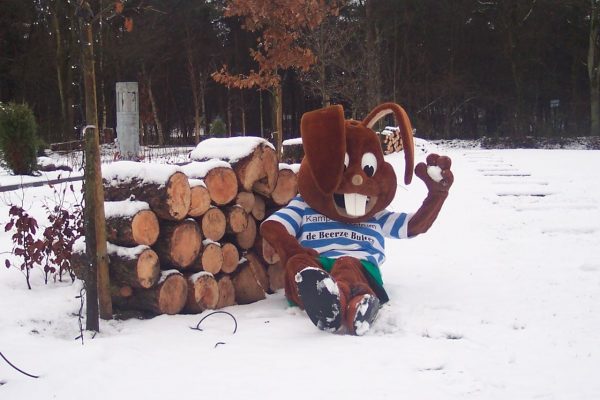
x: 391, y: 141
x: 185, y: 238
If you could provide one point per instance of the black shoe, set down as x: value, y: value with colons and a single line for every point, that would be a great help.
x: 366, y: 312
x: 321, y: 298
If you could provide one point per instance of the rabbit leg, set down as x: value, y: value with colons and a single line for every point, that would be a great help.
x: 359, y: 302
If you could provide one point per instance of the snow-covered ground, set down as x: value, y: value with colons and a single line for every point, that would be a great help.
x: 500, y: 300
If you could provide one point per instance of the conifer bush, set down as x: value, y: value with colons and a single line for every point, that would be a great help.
x: 217, y: 128
x: 18, y: 138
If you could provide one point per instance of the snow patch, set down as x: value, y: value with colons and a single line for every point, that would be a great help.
x: 230, y: 149
x: 329, y: 285
x: 197, y: 275
x: 293, y: 167
x: 125, y: 208
x: 199, y: 169
x: 361, y: 327
x: 196, y: 182
x: 291, y: 142
x: 122, y: 172
x: 435, y: 173
x: 165, y: 274
x: 130, y: 253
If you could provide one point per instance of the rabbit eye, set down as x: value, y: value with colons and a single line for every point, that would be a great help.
x: 346, y: 161
x: 369, y: 164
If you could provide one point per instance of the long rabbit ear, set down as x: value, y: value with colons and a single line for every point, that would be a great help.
x: 405, y: 131
x: 324, y: 141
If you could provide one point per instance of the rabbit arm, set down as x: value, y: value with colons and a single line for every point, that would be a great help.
x: 425, y: 216
x: 284, y: 244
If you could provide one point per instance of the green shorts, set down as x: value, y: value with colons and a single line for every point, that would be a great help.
x: 373, y: 275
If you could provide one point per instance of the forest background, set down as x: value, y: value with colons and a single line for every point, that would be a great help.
x: 461, y: 68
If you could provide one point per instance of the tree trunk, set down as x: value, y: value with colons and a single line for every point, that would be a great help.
x: 373, y: 56
x: 191, y: 67
x: 278, y: 116
x: 98, y: 284
x: 594, y: 69
x: 60, y: 79
x: 155, y: 113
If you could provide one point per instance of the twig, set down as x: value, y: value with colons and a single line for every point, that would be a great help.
x: 197, y: 328
x: 18, y: 369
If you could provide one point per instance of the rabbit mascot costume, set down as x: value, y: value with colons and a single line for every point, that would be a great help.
x: 330, y: 238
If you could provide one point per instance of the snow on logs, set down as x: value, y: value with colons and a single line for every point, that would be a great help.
x: 184, y: 238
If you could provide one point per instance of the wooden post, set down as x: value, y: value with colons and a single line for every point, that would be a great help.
x: 97, y: 283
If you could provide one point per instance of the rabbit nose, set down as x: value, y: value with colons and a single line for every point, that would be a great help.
x: 357, y: 180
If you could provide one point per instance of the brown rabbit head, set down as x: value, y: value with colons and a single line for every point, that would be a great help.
x: 343, y: 174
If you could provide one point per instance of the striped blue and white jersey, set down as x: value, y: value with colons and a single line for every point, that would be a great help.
x: 334, y: 239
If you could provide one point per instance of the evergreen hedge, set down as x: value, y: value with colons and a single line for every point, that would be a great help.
x: 18, y: 138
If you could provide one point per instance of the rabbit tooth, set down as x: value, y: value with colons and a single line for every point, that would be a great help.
x: 356, y: 204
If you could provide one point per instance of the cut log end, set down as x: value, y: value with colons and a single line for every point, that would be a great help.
x: 286, y: 188
x: 199, y: 202
x: 226, y: 292
x: 179, y: 196
x: 173, y: 294
x: 212, y: 258
x: 145, y: 228
x: 246, y: 238
x: 214, y: 224
x: 222, y: 185
x: 203, y: 293
x: 148, y: 269
x: 245, y: 200
x: 237, y: 219
x: 231, y: 257
x: 179, y: 243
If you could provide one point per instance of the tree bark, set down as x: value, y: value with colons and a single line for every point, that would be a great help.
x: 135, y: 269
x: 169, y: 296
x: 169, y: 200
x: 593, y: 65
x: 98, y: 284
x: 246, y: 284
